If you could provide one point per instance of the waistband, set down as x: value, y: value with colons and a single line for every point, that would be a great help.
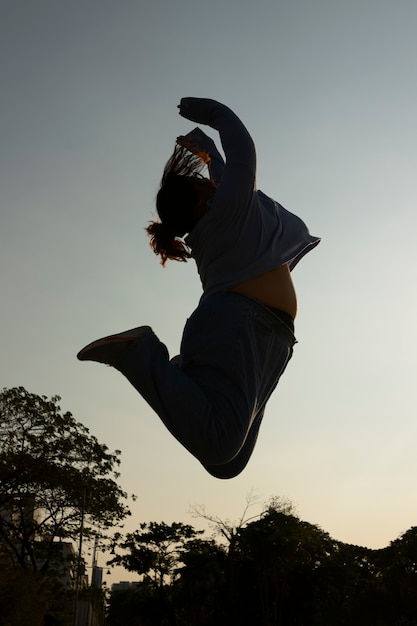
x: 285, y: 317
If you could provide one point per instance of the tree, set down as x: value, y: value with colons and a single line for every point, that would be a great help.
x: 398, y: 566
x: 277, y: 560
x: 286, y: 572
x: 126, y: 607
x: 154, y: 550
x: 56, y: 480
x: 200, y: 591
x: 227, y: 529
x: 22, y: 600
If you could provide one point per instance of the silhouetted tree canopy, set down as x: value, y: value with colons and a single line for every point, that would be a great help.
x: 276, y: 570
x: 272, y: 569
x: 53, y: 472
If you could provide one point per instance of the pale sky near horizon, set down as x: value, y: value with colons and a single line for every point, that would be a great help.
x: 328, y: 91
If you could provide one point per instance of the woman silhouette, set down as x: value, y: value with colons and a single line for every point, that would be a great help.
x: 239, y: 340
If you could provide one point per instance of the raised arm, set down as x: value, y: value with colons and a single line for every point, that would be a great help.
x: 238, y: 146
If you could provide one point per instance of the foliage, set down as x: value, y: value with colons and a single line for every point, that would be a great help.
x: 22, y: 599
x: 154, y: 550
x: 278, y: 557
x: 54, y: 475
x: 126, y: 607
x: 199, y: 593
x: 275, y: 570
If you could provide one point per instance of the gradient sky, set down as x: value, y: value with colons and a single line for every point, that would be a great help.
x: 88, y: 118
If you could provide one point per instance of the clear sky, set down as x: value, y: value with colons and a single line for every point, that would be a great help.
x: 88, y: 96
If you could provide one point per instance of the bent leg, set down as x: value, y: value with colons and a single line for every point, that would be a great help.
x: 236, y: 465
x: 281, y: 357
x: 192, y: 417
x: 232, y: 354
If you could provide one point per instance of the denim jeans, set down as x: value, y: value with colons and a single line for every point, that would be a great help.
x: 233, y: 352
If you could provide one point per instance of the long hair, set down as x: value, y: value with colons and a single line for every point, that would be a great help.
x: 175, y: 204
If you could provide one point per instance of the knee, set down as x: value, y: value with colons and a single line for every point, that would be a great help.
x: 223, y: 472
x: 218, y: 454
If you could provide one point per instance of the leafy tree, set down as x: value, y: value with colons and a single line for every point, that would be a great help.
x: 200, y: 591
x: 398, y: 571
x: 154, y: 550
x: 55, y: 478
x: 286, y: 572
x: 348, y: 588
x: 278, y: 557
x: 126, y: 606
x: 22, y: 600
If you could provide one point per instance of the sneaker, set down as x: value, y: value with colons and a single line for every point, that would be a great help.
x: 109, y: 350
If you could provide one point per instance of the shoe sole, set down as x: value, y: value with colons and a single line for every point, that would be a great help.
x: 127, y: 335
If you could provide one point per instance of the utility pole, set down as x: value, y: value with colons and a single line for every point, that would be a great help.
x: 79, y: 558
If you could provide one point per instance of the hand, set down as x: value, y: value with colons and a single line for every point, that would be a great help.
x: 198, y: 110
x: 184, y: 106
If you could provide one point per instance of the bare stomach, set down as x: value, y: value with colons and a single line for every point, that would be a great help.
x: 274, y: 288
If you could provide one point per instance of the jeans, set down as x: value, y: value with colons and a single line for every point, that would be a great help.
x: 233, y: 353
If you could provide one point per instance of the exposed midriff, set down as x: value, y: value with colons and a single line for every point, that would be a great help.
x: 274, y: 288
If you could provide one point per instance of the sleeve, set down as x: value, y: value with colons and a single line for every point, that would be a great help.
x: 238, y: 180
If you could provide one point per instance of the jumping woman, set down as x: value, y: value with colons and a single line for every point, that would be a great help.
x: 239, y: 340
